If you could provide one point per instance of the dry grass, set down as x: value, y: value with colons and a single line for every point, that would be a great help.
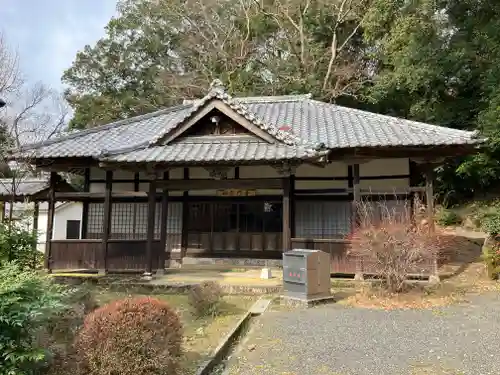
x: 417, y: 297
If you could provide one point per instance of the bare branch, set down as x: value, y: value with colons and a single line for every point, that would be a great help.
x: 10, y: 76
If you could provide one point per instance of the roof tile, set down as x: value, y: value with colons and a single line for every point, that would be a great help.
x: 311, y: 123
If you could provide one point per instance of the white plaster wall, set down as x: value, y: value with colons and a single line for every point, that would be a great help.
x: 67, y: 211
x: 385, y: 167
x: 264, y: 171
x: 100, y: 187
x: 378, y: 167
x: 330, y: 170
x: 63, y: 212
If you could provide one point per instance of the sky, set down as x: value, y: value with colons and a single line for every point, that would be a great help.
x: 48, y: 33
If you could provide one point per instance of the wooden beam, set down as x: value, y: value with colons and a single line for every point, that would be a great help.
x: 286, y: 214
x: 107, y: 218
x: 356, y: 195
x: 428, y: 152
x: 163, y: 222
x: 82, y: 195
x: 50, y: 220
x: 85, y: 208
x: 202, y: 184
x: 151, y: 226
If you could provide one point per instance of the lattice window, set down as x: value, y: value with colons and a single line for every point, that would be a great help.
x: 316, y: 219
x: 95, y: 220
x: 122, y: 221
x: 174, y: 218
x: 128, y: 220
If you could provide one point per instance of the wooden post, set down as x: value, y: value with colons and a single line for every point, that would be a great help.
x: 151, y: 226
x: 36, y: 212
x: 292, y: 206
x: 185, y: 216
x: 106, y: 227
x: 356, y: 199
x: 50, y: 221
x: 356, y: 196
x: 163, y: 225
x: 286, y: 214
x: 429, y: 198
x: 429, y: 195
x: 85, y: 207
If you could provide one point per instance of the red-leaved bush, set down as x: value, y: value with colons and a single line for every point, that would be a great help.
x: 134, y: 336
x: 394, y: 243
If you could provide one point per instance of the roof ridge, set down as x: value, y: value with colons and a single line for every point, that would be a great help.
x: 411, y: 123
x: 218, y: 91
x: 275, y: 99
x: 262, y: 99
x: 112, y: 125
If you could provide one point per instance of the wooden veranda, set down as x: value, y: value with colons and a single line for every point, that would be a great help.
x: 118, y: 254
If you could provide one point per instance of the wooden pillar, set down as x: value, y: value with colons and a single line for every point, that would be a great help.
x: 185, y: 216
x: 429, y: 194
x: 137, y: 183
x: 163, y: 225
x: 151, y: 226
x: 292, y: 206
x: 106, y: 227
x: 50, y: 220
x: 429, y: 198
x: 85, y: 208
x: 36, y: 212
x: 286, y: 214
x: 356, y: 196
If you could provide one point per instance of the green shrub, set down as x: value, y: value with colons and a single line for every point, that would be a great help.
x: 490, y: 223
x: 17, y: 244
x: 491, y: 257
x: 205, y: 299
x: 129, y: 337
x: 447, y: 218
x: 59, y: 334
x: 27, y: 302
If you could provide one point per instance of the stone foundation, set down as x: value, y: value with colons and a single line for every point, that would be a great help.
x: 237, y: 262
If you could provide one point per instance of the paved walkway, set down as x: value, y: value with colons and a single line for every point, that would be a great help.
x: 333, y: 340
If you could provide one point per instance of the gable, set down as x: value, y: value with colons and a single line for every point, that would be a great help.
x: 216, y: 118
x: 215, y: 123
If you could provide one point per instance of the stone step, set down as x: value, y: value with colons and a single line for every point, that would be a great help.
x: 260, y: 306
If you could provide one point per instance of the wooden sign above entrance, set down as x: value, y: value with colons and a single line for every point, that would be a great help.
x: 236, y: 192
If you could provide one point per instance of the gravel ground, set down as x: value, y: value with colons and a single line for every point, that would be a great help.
x: 334, y: 340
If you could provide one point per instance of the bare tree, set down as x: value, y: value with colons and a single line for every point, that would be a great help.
x: 393, y: 244
x: 265, y: 47
x: 34, y: 113
x: 10, y: 76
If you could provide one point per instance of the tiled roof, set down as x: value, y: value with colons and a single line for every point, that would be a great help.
x: 25, y: 188
x: 313, y: 125
x: 214, y: 149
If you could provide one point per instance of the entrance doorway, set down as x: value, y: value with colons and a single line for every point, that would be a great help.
x: 235, y: 228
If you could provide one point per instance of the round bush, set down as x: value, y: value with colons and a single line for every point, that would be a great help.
x: 131, y: 337
x: 205, y: 299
